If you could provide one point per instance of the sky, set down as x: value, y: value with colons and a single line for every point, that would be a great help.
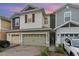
x: 7, y: 9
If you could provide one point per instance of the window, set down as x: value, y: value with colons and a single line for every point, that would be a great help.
x: 17, y: 21
x: 46, y: 20
x: 67, y: 16
x: 29, y: 18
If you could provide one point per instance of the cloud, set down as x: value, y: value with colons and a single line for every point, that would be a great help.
x: 11, y: 8
x: 51, y: 9
x: 14, y: 9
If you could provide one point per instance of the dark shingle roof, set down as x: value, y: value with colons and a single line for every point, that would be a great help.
x: 4, y: 18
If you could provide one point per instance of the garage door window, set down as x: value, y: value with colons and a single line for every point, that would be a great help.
x: 15, y: 35
x: 74, y: 36
x: 71, y: 35
x: 62, y: 34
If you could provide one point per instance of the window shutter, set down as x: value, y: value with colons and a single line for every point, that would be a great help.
x: 33, y: 17
x: 25, y: 18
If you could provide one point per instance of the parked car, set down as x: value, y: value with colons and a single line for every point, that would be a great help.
x: 71, y: 46
x: 4, y: 43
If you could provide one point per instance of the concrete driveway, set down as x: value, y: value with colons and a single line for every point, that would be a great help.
x: 21, y: 51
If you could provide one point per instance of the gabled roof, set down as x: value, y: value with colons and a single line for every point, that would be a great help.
x: 29, y: 7
x: 29, y: 11
x: 73, y: 22
x: 4, y: 18
x: 68, y: 4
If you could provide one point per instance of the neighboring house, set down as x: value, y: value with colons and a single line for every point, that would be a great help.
x: 67, y: 23
x: 4, y: 26
x: 31, y: 26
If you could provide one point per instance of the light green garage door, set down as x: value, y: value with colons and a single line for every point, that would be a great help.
x: 34, y: 39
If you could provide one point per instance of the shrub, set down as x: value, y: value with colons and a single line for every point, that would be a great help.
x: 59, y: 49
x: 44, y: 52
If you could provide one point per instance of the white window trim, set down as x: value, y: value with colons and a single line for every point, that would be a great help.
x: 70, y: 15
x: 19, y: 23
x: 30, y: 18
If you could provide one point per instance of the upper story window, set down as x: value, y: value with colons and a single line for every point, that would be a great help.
x: 17, y: 21
x: 67, y: 16
x: 46, y: 20
x: 30, y: 18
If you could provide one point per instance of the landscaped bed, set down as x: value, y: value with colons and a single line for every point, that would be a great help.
x: 53, y: 53
x: 58, y: 51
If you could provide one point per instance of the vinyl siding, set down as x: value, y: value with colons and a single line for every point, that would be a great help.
x: 2, y: 36
x: 5, y: 24
x: 60, y: 15
x: 37, y: 24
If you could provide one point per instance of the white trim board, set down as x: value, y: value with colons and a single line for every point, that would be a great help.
x: 66, y: 23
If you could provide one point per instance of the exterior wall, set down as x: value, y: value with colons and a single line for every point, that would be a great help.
x: 2, y: 36
x: 37, y: 24
x: 60, y: 15
x: 21, y: 33
x: 66, y: 30
x: 5, y: 25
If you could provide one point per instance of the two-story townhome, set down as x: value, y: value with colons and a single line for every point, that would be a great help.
x: 31, y: 26
x: 4, y: 26
x: 66, y: 23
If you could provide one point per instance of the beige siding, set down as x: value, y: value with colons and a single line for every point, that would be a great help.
x: 5, y: 24
x: 2, y: 36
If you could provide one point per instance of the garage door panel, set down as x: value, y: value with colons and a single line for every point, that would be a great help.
x: 34, y: 39
x: 15, y: 39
